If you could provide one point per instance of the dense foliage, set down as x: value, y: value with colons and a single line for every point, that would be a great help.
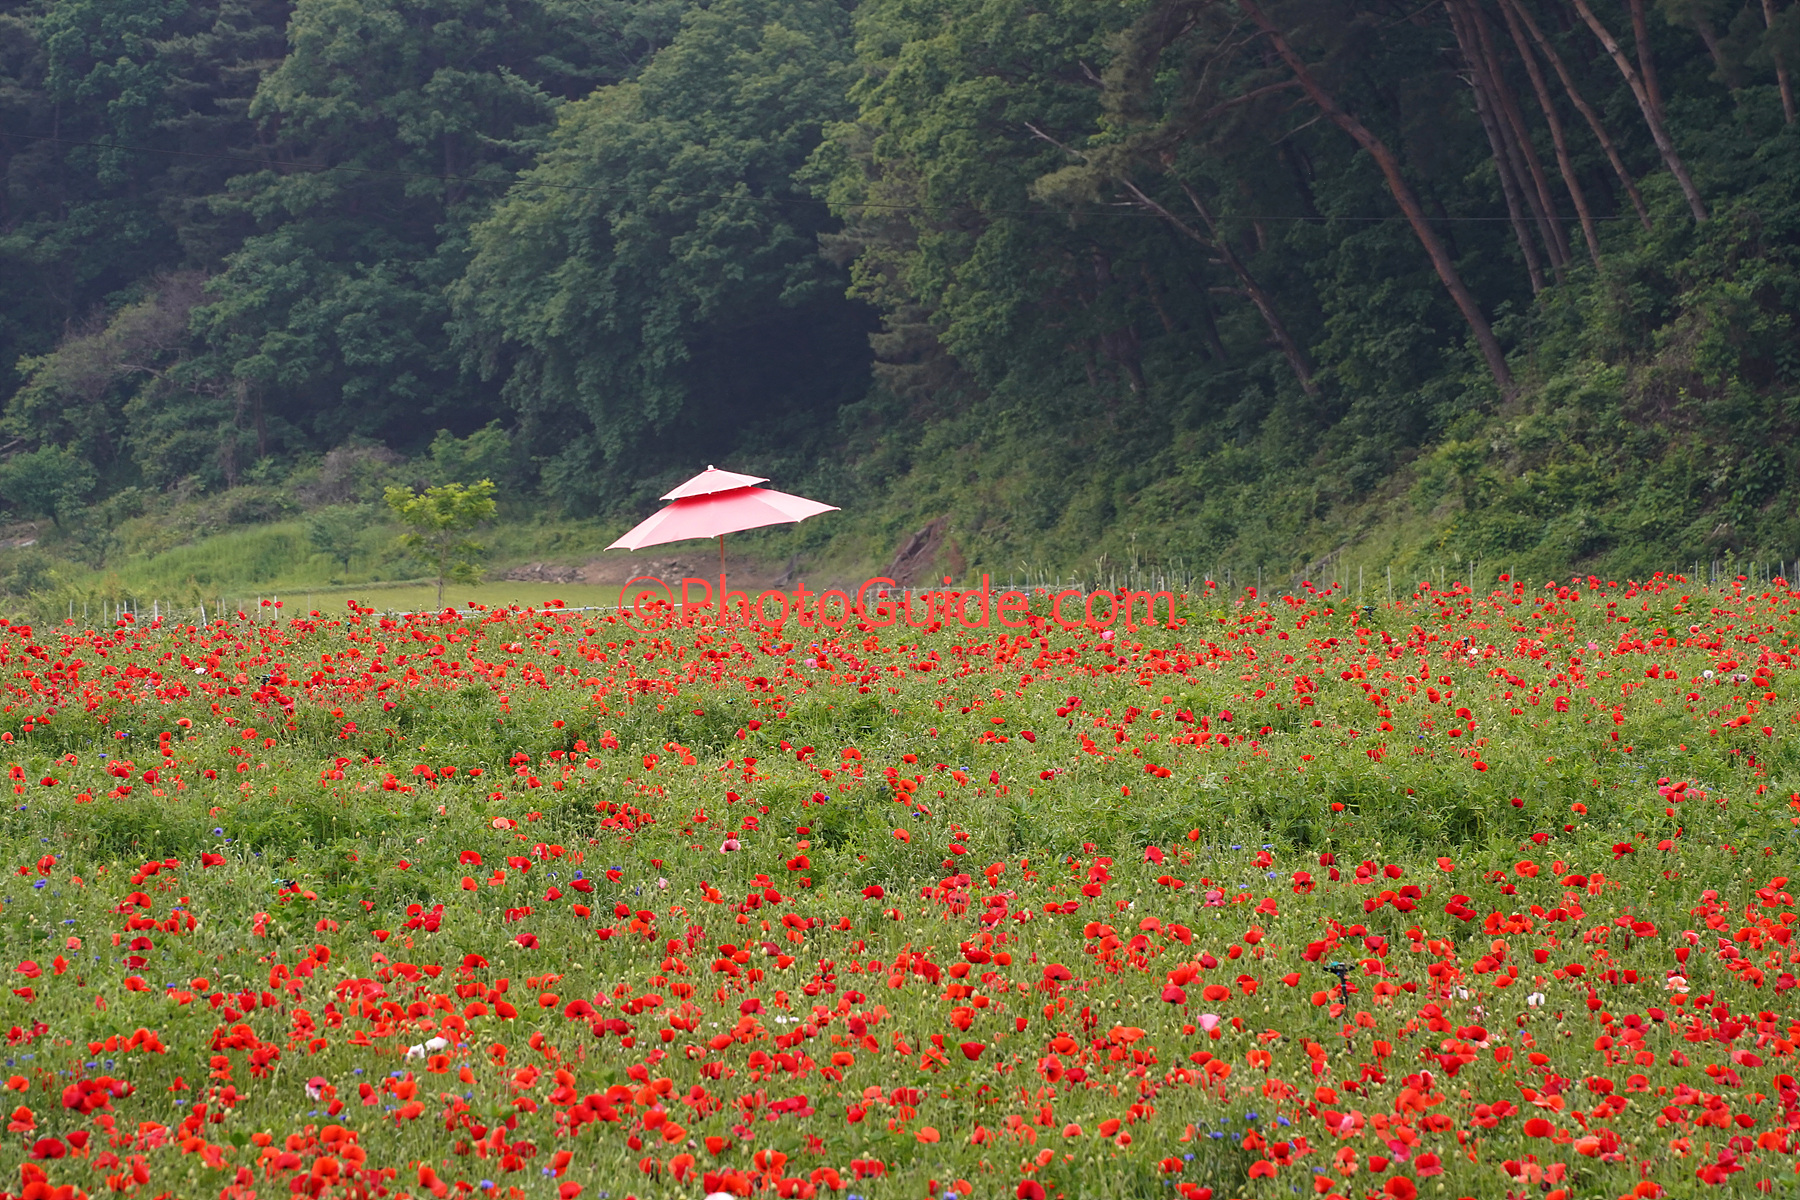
x: 1485, y: 893
x: 1252, y: 281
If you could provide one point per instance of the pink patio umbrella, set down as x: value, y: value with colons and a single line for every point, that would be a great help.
x: 715, y: 503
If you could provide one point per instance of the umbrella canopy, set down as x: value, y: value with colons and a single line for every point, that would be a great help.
x: 713, y: 480
x: 714, y: 503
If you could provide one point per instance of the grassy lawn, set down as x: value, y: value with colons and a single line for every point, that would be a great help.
x: 416, y: 596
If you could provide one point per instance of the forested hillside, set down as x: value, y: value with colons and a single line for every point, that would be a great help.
x: 1213, y: 281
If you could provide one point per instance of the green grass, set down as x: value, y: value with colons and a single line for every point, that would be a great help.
x: 149, y: 567
x: 416, y: 596
x: 238, y: 567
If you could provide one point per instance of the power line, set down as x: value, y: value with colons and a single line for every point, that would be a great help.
x: 1131, y: 211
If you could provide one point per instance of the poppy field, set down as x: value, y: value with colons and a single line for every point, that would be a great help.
x: 1470, y: 895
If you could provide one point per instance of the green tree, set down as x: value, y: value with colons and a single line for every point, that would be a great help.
x: 398, y: 123
x: 125, y: 116
x: 935, y: 179
x: 337, y: 531
x: 80, y: 394
x: 658, y: 271
x: 485, y: 454
x: 441, y: 519
x: 47, y: 483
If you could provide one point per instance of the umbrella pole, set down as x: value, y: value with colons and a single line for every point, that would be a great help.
x: 721, y: 579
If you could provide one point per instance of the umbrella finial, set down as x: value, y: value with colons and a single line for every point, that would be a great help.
x: 712, y: 481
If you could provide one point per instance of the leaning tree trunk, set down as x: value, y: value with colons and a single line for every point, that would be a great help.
x: 1781, y: 71
x: 1583, y: 107
x: 1402, y: 192
x: 1648, y: 105
x: 1253, y: 290
x: 1554, y: 236
x: 1646, y: 63
x: 1481, y: 88
x: 1564, y: 162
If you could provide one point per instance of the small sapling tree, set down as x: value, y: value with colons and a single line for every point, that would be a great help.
x: 441, y: 519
